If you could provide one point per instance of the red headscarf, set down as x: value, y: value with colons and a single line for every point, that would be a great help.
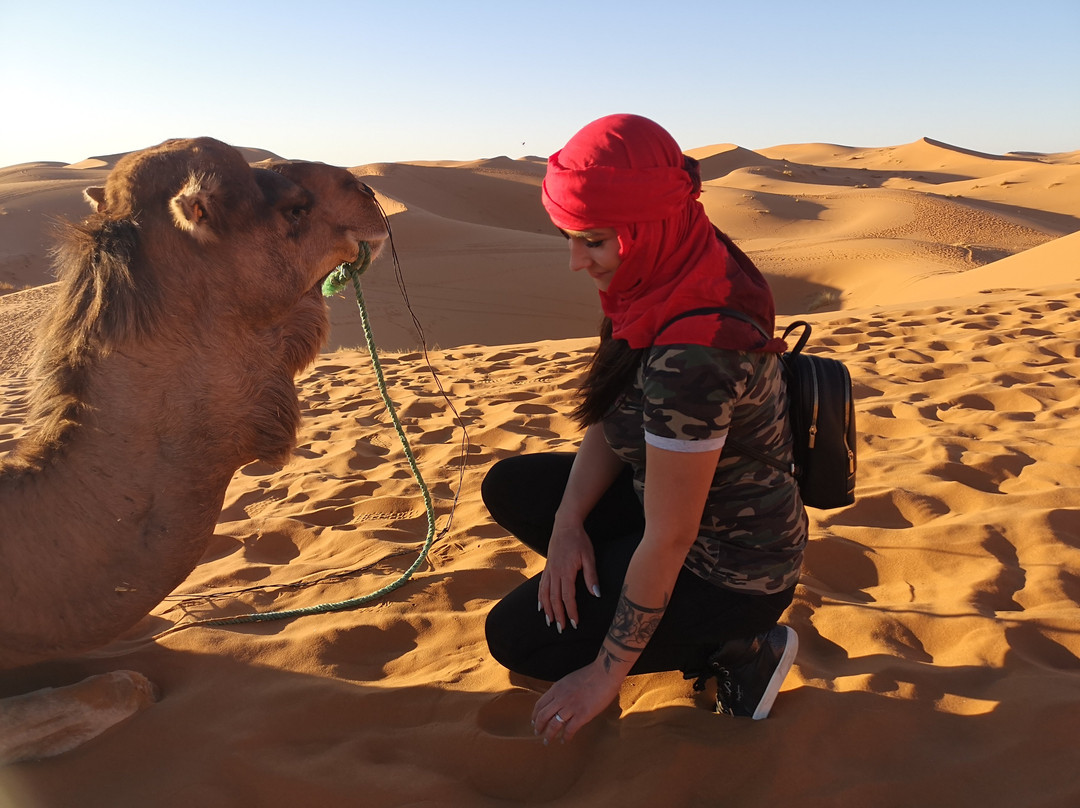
x: 626, y: 172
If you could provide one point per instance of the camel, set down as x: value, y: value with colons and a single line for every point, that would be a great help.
x: 188, y: 301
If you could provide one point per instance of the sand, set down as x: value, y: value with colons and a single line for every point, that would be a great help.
x: 940, y: 657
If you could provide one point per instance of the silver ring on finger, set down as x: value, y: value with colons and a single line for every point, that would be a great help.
x: 560, y: 719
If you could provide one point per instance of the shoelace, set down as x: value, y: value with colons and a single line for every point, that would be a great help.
x: 728, y: 692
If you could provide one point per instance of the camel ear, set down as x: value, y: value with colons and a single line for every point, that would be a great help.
x: 195, y: 208
x: 96, y: 197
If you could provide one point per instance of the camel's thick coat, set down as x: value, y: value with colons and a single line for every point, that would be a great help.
x: 188, y: 302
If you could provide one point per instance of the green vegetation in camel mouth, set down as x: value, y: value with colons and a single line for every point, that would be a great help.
x: 340, y: 277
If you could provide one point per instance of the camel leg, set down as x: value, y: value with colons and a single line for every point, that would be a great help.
x: 53, y: 720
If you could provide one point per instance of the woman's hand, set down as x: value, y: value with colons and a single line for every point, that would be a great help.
x: 574, y: 701
x: 570, y: 551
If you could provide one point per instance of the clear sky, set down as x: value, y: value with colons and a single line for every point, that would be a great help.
x: 360, y: 82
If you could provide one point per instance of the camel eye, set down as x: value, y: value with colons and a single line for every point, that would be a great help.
x: 295, y: 207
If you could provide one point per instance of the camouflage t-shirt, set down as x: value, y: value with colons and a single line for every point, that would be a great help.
x: 687, y: 398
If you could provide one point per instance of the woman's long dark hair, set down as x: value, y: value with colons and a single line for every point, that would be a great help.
x: 611, y: 372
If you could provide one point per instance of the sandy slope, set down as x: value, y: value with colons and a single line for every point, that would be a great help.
x: 833, y: 227
x: 939, y: 661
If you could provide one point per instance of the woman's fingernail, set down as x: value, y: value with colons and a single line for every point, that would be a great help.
x: 559, y: 627
x: 596, y: 590
x: 547, y: 619
x: 539, y: 606
x: 574, y: 624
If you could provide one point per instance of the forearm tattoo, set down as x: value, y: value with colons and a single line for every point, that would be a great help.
x: 631, y: 628
x: 607, y: 659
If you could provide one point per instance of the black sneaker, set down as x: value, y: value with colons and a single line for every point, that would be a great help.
x: 749, y: 677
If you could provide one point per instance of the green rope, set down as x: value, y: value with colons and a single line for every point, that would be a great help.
x: 335, y: 283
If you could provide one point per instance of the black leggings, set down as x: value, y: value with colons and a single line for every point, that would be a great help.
x: 522, y: 494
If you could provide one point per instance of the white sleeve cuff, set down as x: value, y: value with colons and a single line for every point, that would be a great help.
x: 687, y: 446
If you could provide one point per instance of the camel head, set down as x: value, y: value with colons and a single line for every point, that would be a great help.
x: 202, y: 273
x: 276, y: 228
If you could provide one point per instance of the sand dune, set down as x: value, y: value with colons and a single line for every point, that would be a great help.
x: 939, y: 662
x: 834, y: 227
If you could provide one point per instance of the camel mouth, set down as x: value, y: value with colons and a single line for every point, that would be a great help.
x: 337, y: 279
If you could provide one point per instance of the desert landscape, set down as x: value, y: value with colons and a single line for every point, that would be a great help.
x: 938, y: 616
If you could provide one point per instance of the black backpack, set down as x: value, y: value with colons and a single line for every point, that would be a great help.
x: 822, y: 413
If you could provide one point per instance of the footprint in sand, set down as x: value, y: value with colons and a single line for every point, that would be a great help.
x: 507, y: 761
x: 363, y: 653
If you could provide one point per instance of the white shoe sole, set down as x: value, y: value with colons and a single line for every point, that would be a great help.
x: 791, y: 648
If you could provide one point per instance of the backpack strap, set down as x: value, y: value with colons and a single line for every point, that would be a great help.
x: 802, y: 338
x: 747, y: 451
x: 733, y: 313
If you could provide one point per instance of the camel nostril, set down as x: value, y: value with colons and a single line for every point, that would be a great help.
x: 367, y: 189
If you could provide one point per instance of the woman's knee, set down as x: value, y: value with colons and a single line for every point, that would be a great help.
x: 495, y: 482
x: 506, y: 631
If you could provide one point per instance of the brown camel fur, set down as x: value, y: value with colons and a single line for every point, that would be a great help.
x: 188, y: 302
